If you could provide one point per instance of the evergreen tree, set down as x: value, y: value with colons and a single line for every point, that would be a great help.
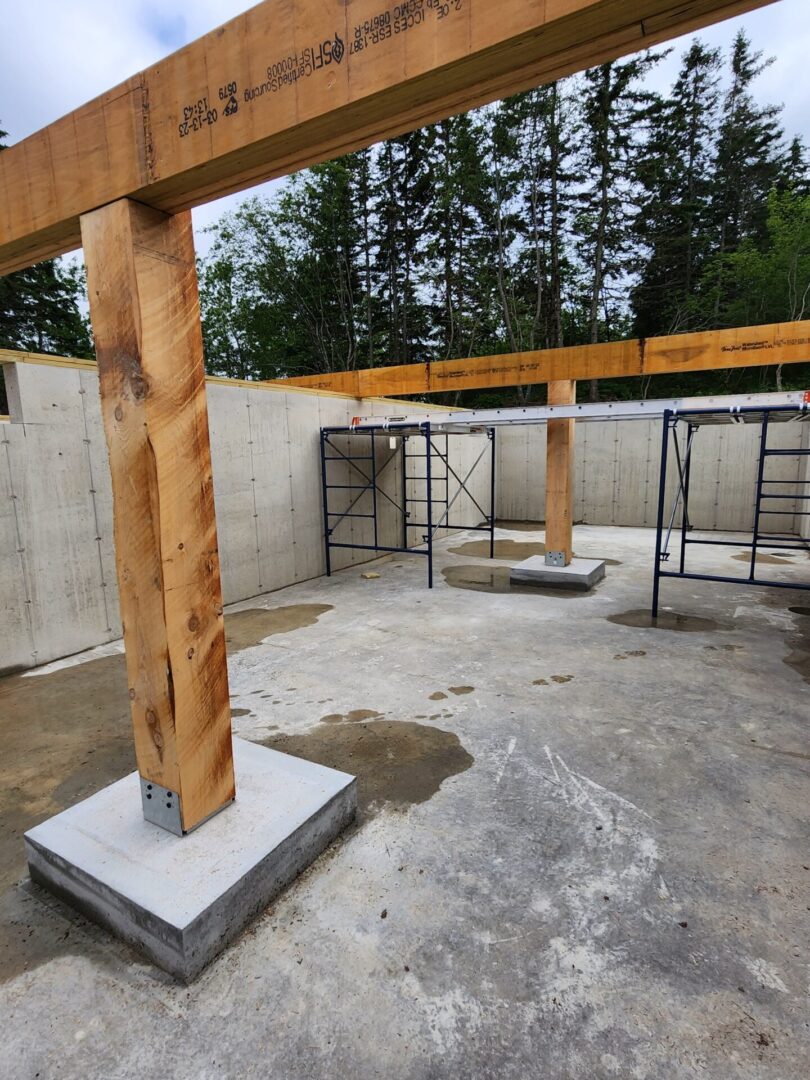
x: 400, y: 196
x: 613, y: 106
x: 454, y: 255
x: 748, y: 165
x: 675, y: 173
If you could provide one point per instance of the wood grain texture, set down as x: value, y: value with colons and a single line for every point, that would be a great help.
x: 142, y: 285
x: 291, y: 83
x: 745, y: 346
x: 560, y: 472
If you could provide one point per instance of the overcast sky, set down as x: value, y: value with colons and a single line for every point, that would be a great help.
x: 57, y: 54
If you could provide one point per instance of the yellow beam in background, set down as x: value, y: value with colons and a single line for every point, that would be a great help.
x: 746, y: 346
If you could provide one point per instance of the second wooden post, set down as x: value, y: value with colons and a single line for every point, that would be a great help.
x: 560, y: 477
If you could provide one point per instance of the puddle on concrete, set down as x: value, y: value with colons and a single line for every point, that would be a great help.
x: 64, y: 736
x: 667, y: 620
x: 504, y: 549
x: 800, y: 610
x: 353, y: 717
x: 459, y: 690
x: 438, y: 695
x: 495, y: 579
x: 799, y: 644
x: 35, y: 929
x: 768, y: 560
x: 243, y: 629
x: 397, y: 763
x: 514, y: 550
x: 784, y: 753
x: 521, y: 526
x: 241, y: 712
x: 561, y: 678
x: 67, y: 734
x: 632, y: 652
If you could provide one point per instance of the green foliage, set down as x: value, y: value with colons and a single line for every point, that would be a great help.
x: 586, y: 210
x: 42, y: 309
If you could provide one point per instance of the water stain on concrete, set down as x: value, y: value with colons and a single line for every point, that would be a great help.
x: 495, y: 579
x: 397, y: 762
x: 64, y: 736
x: 768, y: 560
x: 504, y: 549
x: 784, y: 753
x: 540, y: 682
x: 353, y: 717
x: 521, y: 526
x: 561, y: 678
x: 67, y: 734
x: 514, y: 550
x: 438, y: 695
x: 36, y: 928
x: 799, y: 656
x: 627, y: 655
x: 666, y: 620
x: 459, y: 690
x: 243, y: 629
x: 241, y: 712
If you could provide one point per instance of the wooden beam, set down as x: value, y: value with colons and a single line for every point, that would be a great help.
x: 142, y: 285
x: 746, y: 346
x: 560, y: 477
x: 289, y: 84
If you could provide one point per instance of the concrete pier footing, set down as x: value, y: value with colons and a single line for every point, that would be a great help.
x: 180, y: 900
x: 579, y: 574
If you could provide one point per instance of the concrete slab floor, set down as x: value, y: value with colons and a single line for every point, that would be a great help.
x: 582, y: 848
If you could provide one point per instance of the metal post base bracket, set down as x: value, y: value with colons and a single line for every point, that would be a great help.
x: 555, y: 558
x: 161, y: 806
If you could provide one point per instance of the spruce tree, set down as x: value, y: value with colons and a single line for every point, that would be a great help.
x: 613, y: 106
x: 675, y: 173
x: 748, y: 165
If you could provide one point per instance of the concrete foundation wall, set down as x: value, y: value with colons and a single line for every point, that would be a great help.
x: 617, y: 467
x: 58, y: 590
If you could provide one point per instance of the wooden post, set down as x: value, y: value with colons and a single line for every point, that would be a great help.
x: 560, y: 477
x: 144, y: 305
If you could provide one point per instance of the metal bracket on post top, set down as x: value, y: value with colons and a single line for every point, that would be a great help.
x: 555, y: 558
x: 161, y: 806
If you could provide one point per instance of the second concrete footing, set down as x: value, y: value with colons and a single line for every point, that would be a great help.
x: 579, y: 574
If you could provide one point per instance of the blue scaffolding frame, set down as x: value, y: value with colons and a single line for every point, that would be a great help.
x: 424, y: 436
x: 687, y: 423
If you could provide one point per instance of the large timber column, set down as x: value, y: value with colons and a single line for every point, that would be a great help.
x: 144, y: 306
x: 560, y: 477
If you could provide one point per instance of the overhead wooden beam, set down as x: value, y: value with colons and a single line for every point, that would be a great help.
x: 560, y: 477
x: 142, y: 284
x: 747, y: 346
x: 289, y: 84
